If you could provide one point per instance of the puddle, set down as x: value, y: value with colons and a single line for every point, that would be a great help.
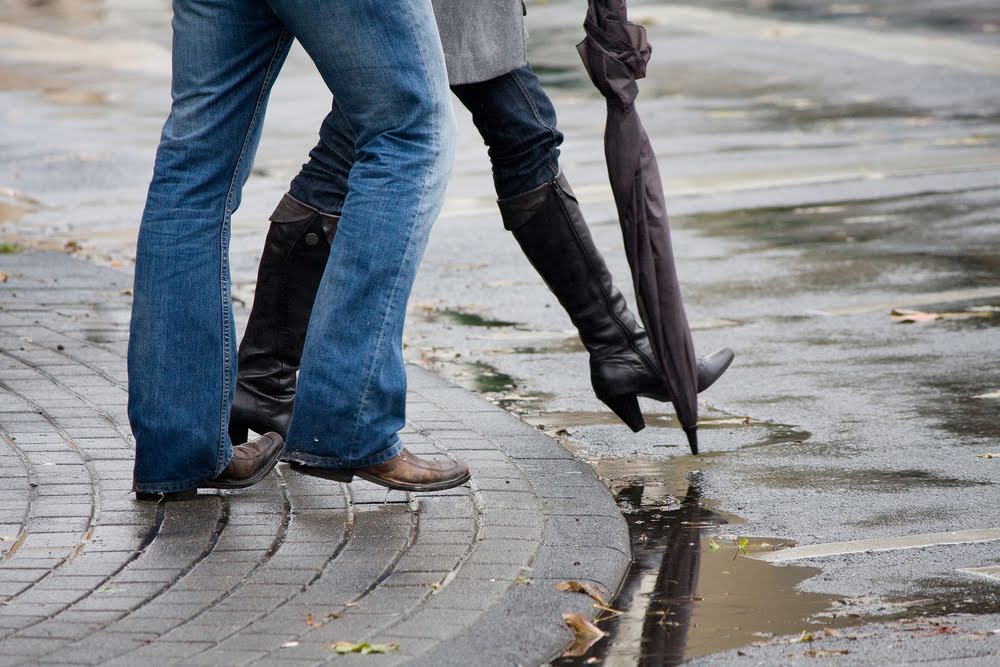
x: 690, y: 591
x: 873, y: 481
x: 464, y: 318
x: 494, y: 385
x: 571, y: 418
x: 566, y: 345
x: 101, y: 336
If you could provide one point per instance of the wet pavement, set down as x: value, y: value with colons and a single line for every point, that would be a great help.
x: 826, y: 164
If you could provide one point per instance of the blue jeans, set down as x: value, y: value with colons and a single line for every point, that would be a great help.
x: 512, y: 113
x: 182, y: 352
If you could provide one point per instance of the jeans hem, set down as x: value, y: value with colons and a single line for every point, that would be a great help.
x: 318, y: 461
x: 168, y: 487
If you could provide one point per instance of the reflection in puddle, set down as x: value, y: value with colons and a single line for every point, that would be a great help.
x: 690, y: 591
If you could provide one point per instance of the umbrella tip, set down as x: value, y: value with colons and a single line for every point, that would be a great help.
x: 692, y: 435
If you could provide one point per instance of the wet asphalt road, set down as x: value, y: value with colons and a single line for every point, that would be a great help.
x: 825, y: 164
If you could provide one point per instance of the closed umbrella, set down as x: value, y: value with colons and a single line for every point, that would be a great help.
x: 615, y: 53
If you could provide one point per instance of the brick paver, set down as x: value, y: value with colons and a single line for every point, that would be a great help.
x: 277, y: 573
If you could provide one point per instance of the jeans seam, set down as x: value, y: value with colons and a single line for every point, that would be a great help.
x: 553, y: 132
x: 227, y: 307
x: 366, y: 390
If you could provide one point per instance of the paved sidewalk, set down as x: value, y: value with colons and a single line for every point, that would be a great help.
x: 277, y: 573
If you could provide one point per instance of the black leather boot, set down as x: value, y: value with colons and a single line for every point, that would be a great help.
x: 291, y: 267
x: 550, y: 228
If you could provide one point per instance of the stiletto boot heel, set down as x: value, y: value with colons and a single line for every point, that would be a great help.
x: 627, y: 409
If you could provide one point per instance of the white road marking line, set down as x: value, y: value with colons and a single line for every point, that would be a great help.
x: 910, y: 49
x: 915, y: 300
x: 880, y: 544
x: 954, y: 165
x: 988, y: 572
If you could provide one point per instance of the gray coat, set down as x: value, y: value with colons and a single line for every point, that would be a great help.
x: 482, y: 39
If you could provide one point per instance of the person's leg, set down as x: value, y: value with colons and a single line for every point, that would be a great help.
x: 291, y: 265
x: 351, y: 393
x: 181, y: 347
x: 518, y: 123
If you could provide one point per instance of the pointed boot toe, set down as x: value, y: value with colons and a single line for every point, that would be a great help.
x: 712, y: 366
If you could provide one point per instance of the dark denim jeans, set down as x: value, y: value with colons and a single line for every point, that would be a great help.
x: 182, y: 349
x: 512, y: 113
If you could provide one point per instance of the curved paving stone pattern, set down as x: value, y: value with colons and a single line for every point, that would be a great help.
x: 275, y: 574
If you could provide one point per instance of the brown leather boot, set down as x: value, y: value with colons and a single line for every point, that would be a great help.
x: 251, y: 462
x: 404, y: 472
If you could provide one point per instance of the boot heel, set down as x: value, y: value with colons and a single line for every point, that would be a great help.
x: 344, y: 476
x: 627, y: 409
x: 238, y: 433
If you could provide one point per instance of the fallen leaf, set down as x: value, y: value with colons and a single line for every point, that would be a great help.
x: 713, y: 545
x: 586, y: 587
x: 523, y: 580
x: 71, y: 246
x: 587, y: 634
x: 4, y: 277
x: 903, y: 316
x: 826, y: 652
x: 804, y: 637
x: 988, y: 456
x: 364, y: 648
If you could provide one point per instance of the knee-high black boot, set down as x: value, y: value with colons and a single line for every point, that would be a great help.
x: 291, y: 267
x: 551, y: 231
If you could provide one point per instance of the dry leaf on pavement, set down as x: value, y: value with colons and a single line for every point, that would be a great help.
x: 587, y: 634
x: 364, y: 648
x: 826, y: 652
x: 586, y: 588
x: 904, y: 316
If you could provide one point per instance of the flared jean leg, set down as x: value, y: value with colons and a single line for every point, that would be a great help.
x: 182, y: 343
x: 388, y: 77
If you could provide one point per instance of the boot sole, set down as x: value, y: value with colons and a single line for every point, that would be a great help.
x: 346, y: 476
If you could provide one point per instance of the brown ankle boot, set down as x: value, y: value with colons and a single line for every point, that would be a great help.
x: 404, y: 472
x: 251, y: 462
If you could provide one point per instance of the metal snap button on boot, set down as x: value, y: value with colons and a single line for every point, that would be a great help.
x: 311, y: 239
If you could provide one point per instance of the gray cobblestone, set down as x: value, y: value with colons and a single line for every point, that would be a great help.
x: 275, y: 574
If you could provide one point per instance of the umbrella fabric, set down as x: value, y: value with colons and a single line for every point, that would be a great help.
x: 615, y: 53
